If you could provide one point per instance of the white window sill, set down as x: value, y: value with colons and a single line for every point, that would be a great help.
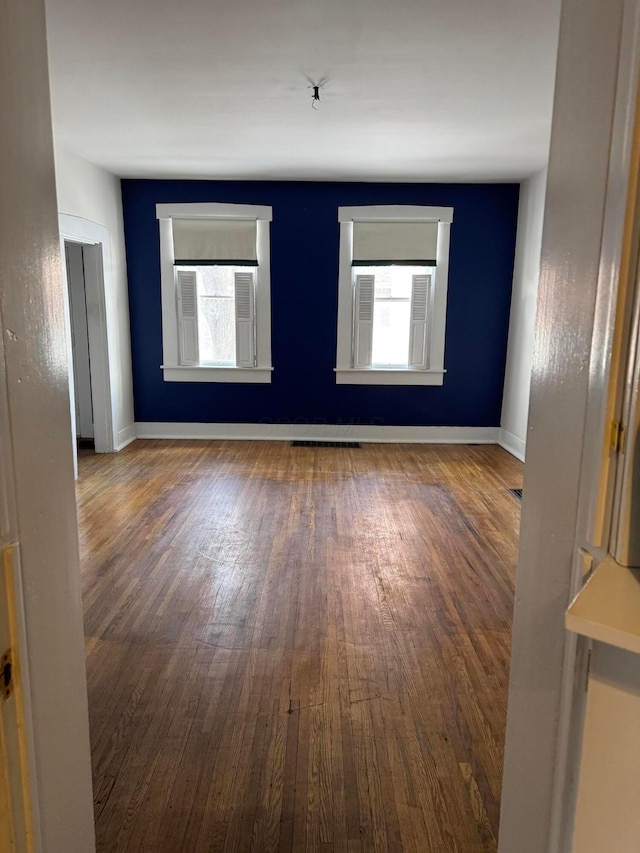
x: 391, y: 376
x: 607, y: 608
x: 202, y: 373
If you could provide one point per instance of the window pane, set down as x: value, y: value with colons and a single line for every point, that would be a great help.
x: 391, y: 333
x: 216, y: 281
x: 392, y: 282
x: 217, y: 330
x: 216, y: 311
x: 391, y: 312
x: 382, y: 287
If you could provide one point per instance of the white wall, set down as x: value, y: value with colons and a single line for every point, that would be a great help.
x: 517, y: 380
x: 89, y: 192
x: 607, y: 815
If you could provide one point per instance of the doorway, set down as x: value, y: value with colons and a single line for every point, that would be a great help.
x: 86, y: 252
x: 80, y: 349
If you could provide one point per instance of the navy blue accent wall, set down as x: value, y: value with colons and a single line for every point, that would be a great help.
x: 304, y: 286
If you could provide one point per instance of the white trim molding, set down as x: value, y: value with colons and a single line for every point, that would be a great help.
x: 567, y: 474
x: 399, y: 212
x: 126, y: 436
x: 434, y: 372
x: 382, y: 376
x: 172, y: 369
x: 202, y: 373
x: 214, y: 210
x: 321, y: 432
x: 511, y: 443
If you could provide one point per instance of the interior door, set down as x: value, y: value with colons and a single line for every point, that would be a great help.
x: 75, y: 260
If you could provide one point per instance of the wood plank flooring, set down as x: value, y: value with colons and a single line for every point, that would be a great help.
x: 294, y: 649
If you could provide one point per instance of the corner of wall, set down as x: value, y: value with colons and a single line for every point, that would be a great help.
x: 91, y: 193
x: 125, y: 437
x: 526, y: 271
x: 512, y: 443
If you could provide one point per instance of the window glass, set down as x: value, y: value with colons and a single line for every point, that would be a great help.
x: 390, y: 345
x: 391, y: 312
x: 216, y: 312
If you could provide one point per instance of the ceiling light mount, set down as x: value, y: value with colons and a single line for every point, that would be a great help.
x: 315, y: 90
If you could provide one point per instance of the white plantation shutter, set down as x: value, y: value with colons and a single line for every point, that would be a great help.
x: 188, y: 317
x: 245, y: 324
x: 363, y: 320
x: 420, y: 299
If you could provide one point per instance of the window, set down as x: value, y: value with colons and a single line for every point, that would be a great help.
x: 392, y: 295
x: 216, y: 304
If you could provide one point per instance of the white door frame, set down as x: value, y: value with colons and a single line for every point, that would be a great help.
x: 16, y: 721
x: 38, y: 503
x: 614, y: 301
x: 565, y: 507
x: 95, y: 240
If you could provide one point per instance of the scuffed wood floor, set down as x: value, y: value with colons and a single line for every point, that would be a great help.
x: 297, y: 648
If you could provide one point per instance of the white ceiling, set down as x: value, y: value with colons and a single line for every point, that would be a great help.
x: 416, y: 90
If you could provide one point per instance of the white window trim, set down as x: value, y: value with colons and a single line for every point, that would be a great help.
x: 346, y: 374
x: 172, y: 370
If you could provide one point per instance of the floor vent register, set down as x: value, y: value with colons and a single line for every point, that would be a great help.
x: 351, y: 444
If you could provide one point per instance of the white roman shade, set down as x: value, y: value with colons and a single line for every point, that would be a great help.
x: 210, y: 241
x: 395, y: 242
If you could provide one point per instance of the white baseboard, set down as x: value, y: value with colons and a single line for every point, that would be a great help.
x: 322, y: 432
x: 126, y: 436
x: 516, y: 446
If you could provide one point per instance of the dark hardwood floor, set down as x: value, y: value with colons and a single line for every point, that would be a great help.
x: 297, y: 648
